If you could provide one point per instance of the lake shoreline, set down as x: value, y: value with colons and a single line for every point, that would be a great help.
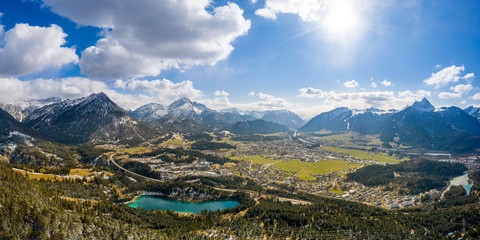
x: 152, y: 202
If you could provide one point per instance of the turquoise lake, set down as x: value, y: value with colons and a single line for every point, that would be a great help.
x: 157, y: 203
x: 461, y: 181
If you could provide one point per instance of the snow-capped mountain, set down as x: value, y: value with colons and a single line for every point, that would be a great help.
x: 92, y: 118
x: 21, y: 109
x: 420, y: 125
x: 184, y: 108
x: 257, y: 127
x: 283, y: 117
x: 149, y: 112
x: 473, y: 111
x: 367, y: 121
x: 334, y: 120
x: 14, y: 131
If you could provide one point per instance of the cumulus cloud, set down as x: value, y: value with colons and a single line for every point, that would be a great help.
x: 30, y: 49
x: 462, y: 88
x: 446, y: 76
x: 386, y: 83
x: 357, y: 100
x: 266, y: 13
x: 142, y: 38
x: 67, y: 88
x: 449, y: 95
x: 221, y: 93
x: 351, y: 84
x: 251, y: 94
x: 419, y: 94
x: 374, y: 84
x: 311, y: 92
x: 265, y: 102
x: 307, y: 10
x: 159, y: 91
x: 476, y: 96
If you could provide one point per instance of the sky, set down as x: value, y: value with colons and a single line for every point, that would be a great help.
x: 308, y: 56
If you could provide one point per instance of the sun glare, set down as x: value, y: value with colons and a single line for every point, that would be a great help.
x: 341, y: 20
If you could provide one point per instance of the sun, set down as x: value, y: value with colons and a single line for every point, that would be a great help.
x: 342, y: 20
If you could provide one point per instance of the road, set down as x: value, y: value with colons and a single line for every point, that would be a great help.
x: 128, y: 171
x: 252, y: 193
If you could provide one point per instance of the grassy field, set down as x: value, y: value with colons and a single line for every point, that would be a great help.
x: 359, y: 154
x: 40, y: 176
x: 257, y: 159
x: 80, y: 172
x: 353, y: 138
x: 306, y: 170
x: 293, y: 165
x: 323, y: 167
x: 138, y: 150
x: 336, y: 191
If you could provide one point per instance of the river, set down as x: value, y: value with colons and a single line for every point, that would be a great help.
x: 157, y: 203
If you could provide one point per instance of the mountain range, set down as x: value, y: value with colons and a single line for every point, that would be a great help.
x: 98, y: 119
x: 184, y: 108
x: 418, y: 125
x: 92, y: 118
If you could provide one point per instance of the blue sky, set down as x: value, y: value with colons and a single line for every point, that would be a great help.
x: 306, y: 56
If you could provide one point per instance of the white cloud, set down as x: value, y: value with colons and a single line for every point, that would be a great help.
x: 446, y: 76
x: 13, y: 89
x: 351, y: 84
x: 311, y: 93
x: 438, y: 66
x: 266, y: 13
x: 419, y: 94
x: 221, y: 93
x: 476, y: 96
x: 386, y: 83
x: 307, y: 10
x: 469, y: 76
x: 251, y: 94
x: 144, y: 37
x: 30, y: 49
x: 374, y: 84
x: 159, y: 91
x: 462, y: 88
x: 357, y: 100
x: 266, y: 102
x: 463, y: 102
x: 449, y: 95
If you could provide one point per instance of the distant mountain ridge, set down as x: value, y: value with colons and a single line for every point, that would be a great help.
x: 473, y: 111
x: 21, y: 109
x: 368, y: 121
x: 418, y: 125
x: 257, y: 127
x: 184, y: 108
x: 92, y: 118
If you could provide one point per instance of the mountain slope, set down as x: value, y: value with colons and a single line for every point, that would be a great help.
x: 257, y: 127
x: 12, y: 130
x: 149, y: 112
x: 473, y: 111
x: 368, y: 121
x: 420, y: 125
x: 21, y: 109
x: 283, y: 117
x: 184, y: 108
x: 93, y: 118
x: 334, y: 120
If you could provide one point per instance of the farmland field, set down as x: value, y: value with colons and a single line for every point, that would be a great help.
x: 257, y: 159
x: 359, y: 154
